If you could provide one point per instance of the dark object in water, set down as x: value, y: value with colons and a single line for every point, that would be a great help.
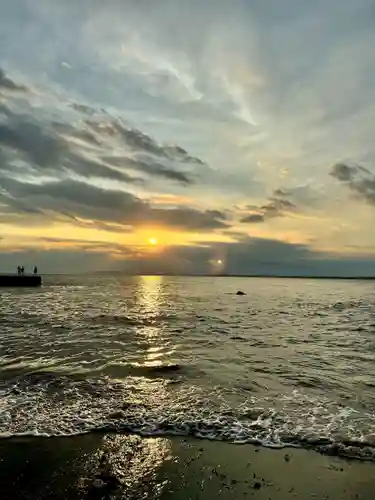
x: 15, y: 280
x: 165, y: 368
x: 240, y: 293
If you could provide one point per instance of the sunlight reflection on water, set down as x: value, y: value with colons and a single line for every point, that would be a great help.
x: 149, y: 297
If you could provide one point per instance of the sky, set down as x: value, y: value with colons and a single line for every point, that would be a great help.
x: 188, y: 136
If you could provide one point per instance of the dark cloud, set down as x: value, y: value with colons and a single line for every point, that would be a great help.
x: 83, y: 108
x: 181, y: 154
x: 307, y: 195
x: 253, y: 218
x: 263, y: 253
x: 47, y: 152
x: 87, y: 201
x: 60, y: 149
x: 6, y: 83
x: 358, y: 179
x: 70, y: 191
x: 275, y: 207
x: 156, y: 169
x: 139, y: 141
x: 72, y: 132
x: 343, y: 172
x: 56, y: 170
x: 188, y: 218
x: 4, y: 110
x: 89, y: 168
x: 30, y: 139
x: 251, y: 256
x: 245, y: 256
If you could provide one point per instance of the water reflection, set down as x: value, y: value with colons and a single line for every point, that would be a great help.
x: 151, y: 303
x: 131, y: 463
x: 135, y: 462
x: 149, y: 299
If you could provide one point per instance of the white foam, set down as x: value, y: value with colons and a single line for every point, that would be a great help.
x: 46, y: 405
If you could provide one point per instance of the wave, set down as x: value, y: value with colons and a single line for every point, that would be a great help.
x: 46, y: 404
x: 136, y: 320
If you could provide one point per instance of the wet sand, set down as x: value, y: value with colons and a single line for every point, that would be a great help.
x: 97, y: 466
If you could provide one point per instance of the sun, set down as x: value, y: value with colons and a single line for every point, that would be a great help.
x: 153, y: 241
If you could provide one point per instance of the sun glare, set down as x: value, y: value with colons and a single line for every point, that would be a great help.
x: 153, y: 241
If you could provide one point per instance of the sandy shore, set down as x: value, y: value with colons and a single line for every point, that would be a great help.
x: 116, y: 466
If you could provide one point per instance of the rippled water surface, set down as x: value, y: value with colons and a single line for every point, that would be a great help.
x: 289, y: 363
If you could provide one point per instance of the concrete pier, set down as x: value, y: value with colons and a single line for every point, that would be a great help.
x: 19, y: 280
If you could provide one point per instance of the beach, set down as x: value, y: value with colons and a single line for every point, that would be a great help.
x: 120, y: 466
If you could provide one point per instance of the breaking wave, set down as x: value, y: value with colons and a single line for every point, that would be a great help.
x: 46, y: 404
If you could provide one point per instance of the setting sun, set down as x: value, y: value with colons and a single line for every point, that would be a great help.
x: 153, y: 241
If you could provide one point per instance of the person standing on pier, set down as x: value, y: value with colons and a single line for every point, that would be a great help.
x: 35, y: 270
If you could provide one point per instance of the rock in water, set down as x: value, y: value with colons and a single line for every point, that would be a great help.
x: 240, y: 293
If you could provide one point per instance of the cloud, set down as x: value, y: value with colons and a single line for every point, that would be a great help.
x: 60, y: 148
x: 307, y: 194
x: 248, y: 256
x: 56, y: 169
x: 139, y: 141
x: 44, y: 151
x: 79, y: 199
x: 83, y: 108
x: 346, y: 173
x: 101, y: 146
x: 155, y: 169
x: 275, y: 207
x: 358, y: 179
x: 253, y: 218
x: 50, y: 243
x: 7, y: 84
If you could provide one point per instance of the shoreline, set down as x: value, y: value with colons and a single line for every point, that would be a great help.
x: 105, y: 466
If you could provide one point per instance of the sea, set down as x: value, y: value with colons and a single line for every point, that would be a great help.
x: 289, y: 364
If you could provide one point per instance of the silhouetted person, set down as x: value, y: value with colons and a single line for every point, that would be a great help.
x: 18, y: 270
x: 35, y: 270
x: 22, y: 270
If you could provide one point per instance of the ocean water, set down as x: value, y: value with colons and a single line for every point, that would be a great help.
x: 291, y: 363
